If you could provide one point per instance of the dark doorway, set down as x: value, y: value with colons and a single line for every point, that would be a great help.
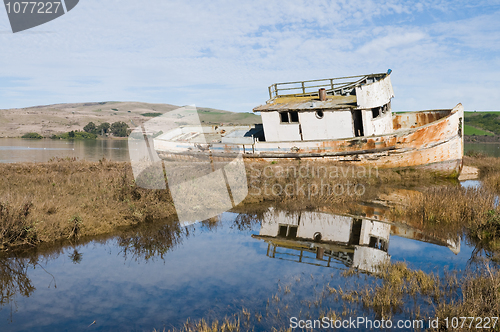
x: 356, y: 231
x: 358, y: 123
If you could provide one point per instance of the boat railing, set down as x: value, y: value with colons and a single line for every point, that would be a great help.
x: 333, y: 86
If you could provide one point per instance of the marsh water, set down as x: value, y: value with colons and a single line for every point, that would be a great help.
x: 160, y: 276
x: 257, y: 260
x: 32, y: 150
x: 14, y: 150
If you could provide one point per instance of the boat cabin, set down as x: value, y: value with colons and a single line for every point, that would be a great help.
x: 322, y: 238
x: 328, y: 109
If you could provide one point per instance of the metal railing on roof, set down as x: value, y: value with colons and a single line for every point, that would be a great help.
x: 333, y: 86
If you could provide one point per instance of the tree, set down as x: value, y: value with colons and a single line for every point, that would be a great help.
x: 71, y: 134
x: 119, y: 129
x: 90, y: 128
x: 103, y: 128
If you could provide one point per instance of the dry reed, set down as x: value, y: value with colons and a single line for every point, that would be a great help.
x: 67, y: 198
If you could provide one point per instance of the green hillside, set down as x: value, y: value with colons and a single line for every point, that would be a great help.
x: 469, y: 131
x: 482, y: 123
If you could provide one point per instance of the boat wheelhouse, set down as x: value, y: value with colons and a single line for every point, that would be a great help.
x: 329, y: 109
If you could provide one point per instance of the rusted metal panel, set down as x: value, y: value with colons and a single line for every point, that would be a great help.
x: 417, y: 119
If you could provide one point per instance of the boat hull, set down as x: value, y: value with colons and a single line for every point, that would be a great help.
x: 428, y: 139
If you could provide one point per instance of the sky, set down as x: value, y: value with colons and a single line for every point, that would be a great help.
x: 224, y: 54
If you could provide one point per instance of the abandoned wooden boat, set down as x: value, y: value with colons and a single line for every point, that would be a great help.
x: 347, y: 119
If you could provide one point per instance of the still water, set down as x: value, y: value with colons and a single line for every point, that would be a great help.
x: 31, y: 150
x: 491, y: 149
x: 160, y: 276
x: 14, y: 150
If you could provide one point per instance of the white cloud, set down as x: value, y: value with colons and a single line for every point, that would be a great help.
x: 224, y: 54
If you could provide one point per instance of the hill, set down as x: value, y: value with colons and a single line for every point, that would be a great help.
x: 482, y: 123
x: 60, y: 118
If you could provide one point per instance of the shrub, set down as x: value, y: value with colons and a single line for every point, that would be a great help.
x: 32, y: 135
x: 75, y: 135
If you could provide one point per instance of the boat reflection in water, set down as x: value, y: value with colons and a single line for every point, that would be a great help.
x: 327, y: 239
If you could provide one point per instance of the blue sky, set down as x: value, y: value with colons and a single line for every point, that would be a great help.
x: 224, y: 54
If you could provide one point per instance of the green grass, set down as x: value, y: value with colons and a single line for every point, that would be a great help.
x: 469, y: 131
x: 487, y: 121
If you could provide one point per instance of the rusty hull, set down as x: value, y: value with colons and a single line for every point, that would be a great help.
x: 425, y: 139
x: 430, y: 139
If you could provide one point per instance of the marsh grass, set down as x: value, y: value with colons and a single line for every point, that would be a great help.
x: 449, y: 205
x: 451, y: 212
x: 480, y: 297
x: 486, y: 235
x: 489, y: 170
x: 484, y: 163
x: 398, y: 285
x: 226, y: 325
x: 66, y: 198
x: 233, y: 324
x: 474, y: 294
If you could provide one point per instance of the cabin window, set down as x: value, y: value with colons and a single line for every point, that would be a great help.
x: 289, y: 117
x: 288, y: 231
x: 378, y: 243
x: 375, y: 112
x: 292, y: 232
x: 283, y: 230
x: 284, y: 117
x: 319, y: 114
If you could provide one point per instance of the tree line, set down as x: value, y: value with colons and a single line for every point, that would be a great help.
x: 118, y: 129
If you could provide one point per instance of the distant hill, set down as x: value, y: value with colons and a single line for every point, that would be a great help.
x: 482, y: 123
x: 60, y: 118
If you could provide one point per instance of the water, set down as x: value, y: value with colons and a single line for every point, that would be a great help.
x: 21, y: 150
x: 31, y: 150
x: 160, y: 275
x: 490, y: 149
